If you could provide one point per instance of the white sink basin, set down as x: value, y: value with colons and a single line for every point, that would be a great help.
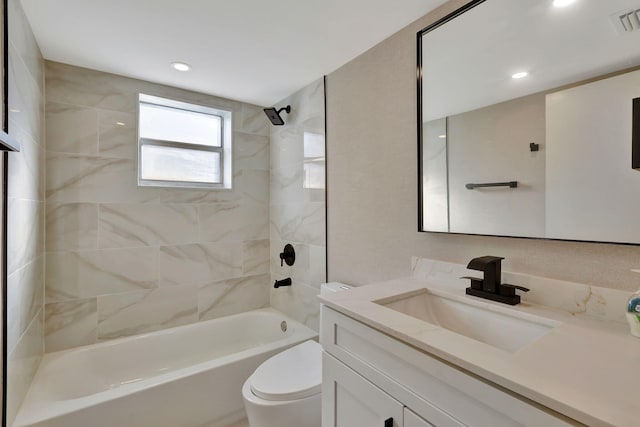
x: 499, y: 327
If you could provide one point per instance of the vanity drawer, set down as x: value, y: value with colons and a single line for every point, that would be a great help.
x: 433, y: 389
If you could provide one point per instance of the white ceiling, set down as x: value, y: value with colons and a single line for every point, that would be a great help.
x: 468, y: 62
x: 257, y: 51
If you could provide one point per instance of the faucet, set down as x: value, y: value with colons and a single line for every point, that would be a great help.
x: 490, y: 286
x: 284, y: 282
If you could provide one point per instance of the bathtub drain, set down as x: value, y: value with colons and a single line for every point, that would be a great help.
x: 283, y: 326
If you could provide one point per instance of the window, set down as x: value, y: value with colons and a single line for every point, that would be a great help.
x: 314, y: 162
x: 183, y: 145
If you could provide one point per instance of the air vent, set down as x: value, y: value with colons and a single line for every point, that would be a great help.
x: 626, y: 21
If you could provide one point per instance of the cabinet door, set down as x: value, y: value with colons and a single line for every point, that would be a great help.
x: 349, y: 400
x: 412, y: 420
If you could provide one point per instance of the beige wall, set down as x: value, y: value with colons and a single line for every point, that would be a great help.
x: 372, y: 184
x: 491, y: 144
x: 122, y: 259
x: 25, y: 232
x: 298, y: 203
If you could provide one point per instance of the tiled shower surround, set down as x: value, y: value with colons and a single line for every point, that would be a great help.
x: 25, y: 234
x: 122, y: 259
x: 298, y: 203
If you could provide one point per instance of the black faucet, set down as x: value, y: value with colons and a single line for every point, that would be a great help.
x: 490, y: 286
x: 280, y: 283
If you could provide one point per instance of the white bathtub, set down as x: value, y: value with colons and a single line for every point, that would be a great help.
x: 189, y: 376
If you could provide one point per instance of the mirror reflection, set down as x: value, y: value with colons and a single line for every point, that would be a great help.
x: 526, y: 126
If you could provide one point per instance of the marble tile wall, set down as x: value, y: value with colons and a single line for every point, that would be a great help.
x: 298, y: 203
x: 26, y: 206
x: 122, y: 259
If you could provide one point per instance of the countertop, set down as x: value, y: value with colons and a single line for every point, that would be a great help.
x: 587, y: 369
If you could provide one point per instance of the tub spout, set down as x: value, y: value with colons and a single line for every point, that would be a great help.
x: 283, y: 282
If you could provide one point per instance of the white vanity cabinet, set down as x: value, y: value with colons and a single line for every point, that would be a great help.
x: 412, y: 420
x: 369, y: 377
x: 354, y: 401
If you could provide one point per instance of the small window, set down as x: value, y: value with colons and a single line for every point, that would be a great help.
x: 183, y: 145
x: 314, y: 161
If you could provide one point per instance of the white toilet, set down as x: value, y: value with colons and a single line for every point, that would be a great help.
x: 285, y: 390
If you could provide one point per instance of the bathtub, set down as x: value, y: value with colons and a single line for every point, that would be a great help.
x: 189, y: 376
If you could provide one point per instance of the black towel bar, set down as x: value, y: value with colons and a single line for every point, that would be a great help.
x: 510, y: 184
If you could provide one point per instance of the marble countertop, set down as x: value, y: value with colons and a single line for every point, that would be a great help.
x: 585, y: 368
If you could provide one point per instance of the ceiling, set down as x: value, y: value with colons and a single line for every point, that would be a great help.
x: 250, y: 50
x: 469, y: 61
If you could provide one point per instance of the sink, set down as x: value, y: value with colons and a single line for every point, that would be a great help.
x: 499, y: 327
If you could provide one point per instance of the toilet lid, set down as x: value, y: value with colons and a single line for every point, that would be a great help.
x: 295, y: 373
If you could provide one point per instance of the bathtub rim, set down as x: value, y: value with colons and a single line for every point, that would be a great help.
x: 168, y: 331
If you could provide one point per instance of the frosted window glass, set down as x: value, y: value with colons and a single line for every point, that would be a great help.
x: 314, y: 164
x: 179, y: 164
x: 313, y: 145
x: 314, y: 174
x: 172, y: 124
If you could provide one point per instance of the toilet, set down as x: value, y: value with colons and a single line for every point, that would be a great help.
x: 284, y: 391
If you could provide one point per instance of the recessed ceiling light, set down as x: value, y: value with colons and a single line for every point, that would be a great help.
x: 519, y: 75
x: 442, y: 136
x: 562, y: 3
x: 181, y: 66
x: 120, y: 123
x: 14, y: 110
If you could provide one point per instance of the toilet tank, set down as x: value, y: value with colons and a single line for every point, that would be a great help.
x: 329, y: 288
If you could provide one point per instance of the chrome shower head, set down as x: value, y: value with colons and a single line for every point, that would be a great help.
x: 274, y: 115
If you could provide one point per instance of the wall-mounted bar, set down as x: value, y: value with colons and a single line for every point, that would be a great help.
x: 510, y: 184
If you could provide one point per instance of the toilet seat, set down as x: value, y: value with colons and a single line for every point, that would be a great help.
x: 294, y: 374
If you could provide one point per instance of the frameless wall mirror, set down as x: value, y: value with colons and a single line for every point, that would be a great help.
x: 526, y: 120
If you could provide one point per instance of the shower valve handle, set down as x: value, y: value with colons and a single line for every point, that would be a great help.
x: 288, y: 255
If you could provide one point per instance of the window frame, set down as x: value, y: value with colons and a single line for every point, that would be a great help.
x: 225, y: 148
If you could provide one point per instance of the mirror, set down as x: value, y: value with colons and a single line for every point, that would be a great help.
x: 526, y: 120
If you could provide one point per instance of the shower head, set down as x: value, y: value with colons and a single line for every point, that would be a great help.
x: 274, y: 115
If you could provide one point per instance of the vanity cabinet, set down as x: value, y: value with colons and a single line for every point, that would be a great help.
x: 354, y: 401
x: 369, y: 377
x: 412, y: 420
